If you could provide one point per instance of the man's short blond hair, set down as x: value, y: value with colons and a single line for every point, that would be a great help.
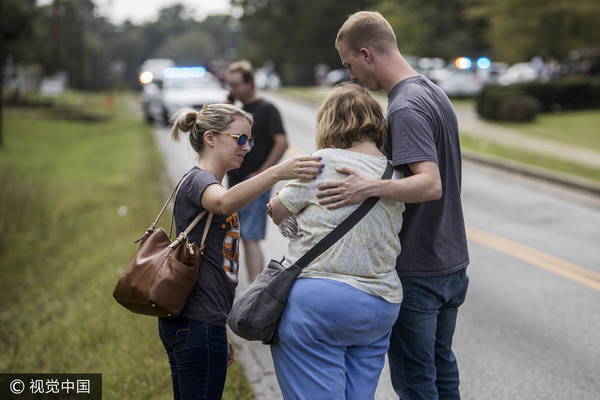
x: 366, y: 29
x: 244, y: 68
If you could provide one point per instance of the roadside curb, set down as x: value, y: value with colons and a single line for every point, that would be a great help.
x: 255, y: 358
x: 562, y: 179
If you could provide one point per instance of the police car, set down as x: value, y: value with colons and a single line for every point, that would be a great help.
x: 181, y: 87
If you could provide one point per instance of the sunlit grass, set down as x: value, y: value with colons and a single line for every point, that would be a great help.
x: 580, y: 128
x: 316, y: 94
x: 529, y: 158
x: 75, y: 194
x: 313, y: 94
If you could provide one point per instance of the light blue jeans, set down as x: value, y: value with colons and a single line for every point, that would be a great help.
x: 422, y: 363
x: 332, y: 340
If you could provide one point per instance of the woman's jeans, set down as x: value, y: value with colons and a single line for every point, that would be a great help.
x: 422, y: 364
x: 198, y: 356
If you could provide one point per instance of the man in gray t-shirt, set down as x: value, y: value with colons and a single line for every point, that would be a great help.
x: 424, y: 129
x: 424, y: 144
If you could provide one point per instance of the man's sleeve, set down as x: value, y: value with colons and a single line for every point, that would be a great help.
x: 412, y: 137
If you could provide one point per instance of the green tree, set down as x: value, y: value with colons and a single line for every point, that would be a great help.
x: 296, y: 35
x: 16, y: 26
x: 129, y: 45
x: 201, y: 42
x: 173, y: 35
x: 17, y: 21
x: 435, y: 28
x: 66, y: 35
x: 519, y: 30
x: 189, y: 48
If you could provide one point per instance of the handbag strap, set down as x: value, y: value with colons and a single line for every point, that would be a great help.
x: 153, y: 225
x: 191, y: 226
x: 179, y: 185
x: 343, y: 227
x: 183, y: 235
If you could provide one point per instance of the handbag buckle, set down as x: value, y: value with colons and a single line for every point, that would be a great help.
x: 146, y: 234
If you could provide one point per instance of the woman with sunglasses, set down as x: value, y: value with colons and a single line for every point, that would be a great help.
x: 196, y: 341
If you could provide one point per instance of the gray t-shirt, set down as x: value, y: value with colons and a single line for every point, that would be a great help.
x: 423, y: 127
x: 213, y: 294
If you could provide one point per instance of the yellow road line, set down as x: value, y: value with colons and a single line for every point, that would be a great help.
x: 537, y: 258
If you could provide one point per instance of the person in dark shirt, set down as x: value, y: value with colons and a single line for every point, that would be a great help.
x: 271, y: 143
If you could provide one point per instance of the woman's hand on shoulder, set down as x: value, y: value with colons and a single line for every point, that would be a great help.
x: 299, y: 167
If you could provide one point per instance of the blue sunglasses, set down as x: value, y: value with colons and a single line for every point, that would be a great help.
x: 242, y: 138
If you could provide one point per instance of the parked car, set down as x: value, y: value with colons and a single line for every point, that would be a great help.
x: 152, y: 69
x: 428, y: 67
x: 493, y: 73
x: 266, y: 79
x: 469, y: 81
x: 150, y: 76
x: 337, y: 76
x: 459, y: 82
x: 182, y: 87
x: 519, y: 72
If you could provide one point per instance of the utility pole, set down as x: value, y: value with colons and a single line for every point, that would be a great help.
x: 2, y: 66
x: 56, y: 61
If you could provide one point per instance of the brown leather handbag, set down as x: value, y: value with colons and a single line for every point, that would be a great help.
x: 162, y: 273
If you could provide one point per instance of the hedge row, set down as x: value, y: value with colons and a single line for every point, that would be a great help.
x: 521, y: 102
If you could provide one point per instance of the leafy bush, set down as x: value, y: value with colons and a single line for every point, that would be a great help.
x: 506, y: 103
x: 575, y: 93
x: 545, y: 93
x: 520, y: 102
x: 517, y: 108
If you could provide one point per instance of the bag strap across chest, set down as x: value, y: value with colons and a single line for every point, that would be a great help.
x: 343, y: 227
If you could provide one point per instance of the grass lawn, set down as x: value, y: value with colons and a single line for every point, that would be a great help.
x: 530, y: 158
x: 80, y: 182
x: 580, y: 128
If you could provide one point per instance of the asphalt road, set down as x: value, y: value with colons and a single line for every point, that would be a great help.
x: 530, y: 328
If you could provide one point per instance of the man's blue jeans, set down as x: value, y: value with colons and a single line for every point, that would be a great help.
x: 422, y: 363
x: 198, y: 356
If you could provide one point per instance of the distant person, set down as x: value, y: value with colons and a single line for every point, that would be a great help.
x: 196, y: 341
x: 321, y: 71
x: 425, y: 147
x: 335, y: 328
x: 271, y: 144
